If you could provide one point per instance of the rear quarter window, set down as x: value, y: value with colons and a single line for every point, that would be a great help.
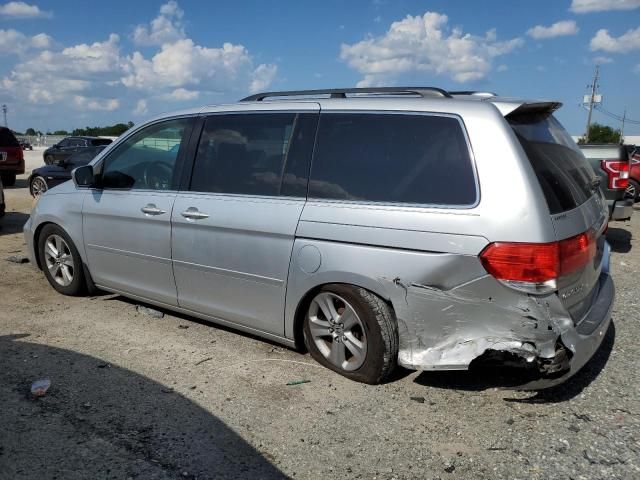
x: 392, y: 158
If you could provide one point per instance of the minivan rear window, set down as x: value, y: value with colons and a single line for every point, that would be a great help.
x: 395, y: 158
x: 7, y: 139
x: 566, y: 178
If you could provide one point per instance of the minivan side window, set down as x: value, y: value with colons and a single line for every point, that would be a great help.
x: 392, y: 158
x: 255, y: 154
x: 147, y: 159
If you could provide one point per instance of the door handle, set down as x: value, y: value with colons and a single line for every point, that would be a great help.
x: 193, y: 213
x: 151, y: 209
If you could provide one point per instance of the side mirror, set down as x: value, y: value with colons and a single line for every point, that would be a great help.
x: 84, y: 176
x: 61, y: 162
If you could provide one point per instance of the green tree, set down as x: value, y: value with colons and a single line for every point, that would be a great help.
x: 601, y: 134
x: 61, y: 132
x: 30, y: 131
x: 108, y: 131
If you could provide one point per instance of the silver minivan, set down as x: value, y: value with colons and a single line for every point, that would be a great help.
x: 414, y: 226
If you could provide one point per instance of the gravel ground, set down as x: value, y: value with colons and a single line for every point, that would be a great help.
x: 133, y: 396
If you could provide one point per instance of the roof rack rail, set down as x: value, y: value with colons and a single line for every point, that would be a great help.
x: 342, y: 92
x: 477, y: 93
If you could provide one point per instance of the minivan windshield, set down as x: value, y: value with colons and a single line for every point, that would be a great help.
x: 566, y: 178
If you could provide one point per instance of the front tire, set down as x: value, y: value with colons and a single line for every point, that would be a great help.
x: 352, y: 332
x: 38, y: 186
x: 48, y: 160
x: 61, y: 261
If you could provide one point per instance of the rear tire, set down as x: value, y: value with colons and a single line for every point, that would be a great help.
x: 9, y: 179
x: 61, y: 262
x: 352, y: 332
x: 633, y: 190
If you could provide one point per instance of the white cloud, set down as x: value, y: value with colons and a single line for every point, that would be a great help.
x: 624, y: 43
x: 41, y: 40
x: 587, y: 6
x: 502, y: 68
x: 262, y: 77
x: 14, y: 42
x: 184, y: 94
x: 51, y: 77
x: 185, y: 64
x: 97, y: 78
x: 165, y: 28
x: 558, y: 29
x: 141, y: 107
x: 107, y: 104
x: 420, y: 44
x: 22, y: 10
x: 602, y: 60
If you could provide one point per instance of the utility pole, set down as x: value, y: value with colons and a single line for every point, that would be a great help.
x: 4, y: 111
x: 592, y: 97
x: 624, y: 117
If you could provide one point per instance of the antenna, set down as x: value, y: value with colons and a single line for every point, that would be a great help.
x: 4, y: 111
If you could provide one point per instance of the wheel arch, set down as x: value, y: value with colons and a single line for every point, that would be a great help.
x: 347, y: 278
x: 36, y: 241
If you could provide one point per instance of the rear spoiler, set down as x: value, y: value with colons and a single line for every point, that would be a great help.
x: 512, y: 109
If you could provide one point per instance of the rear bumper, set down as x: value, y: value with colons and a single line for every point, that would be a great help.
x: 621, y: 209
x: 17, y: 168
x: 585, y: 339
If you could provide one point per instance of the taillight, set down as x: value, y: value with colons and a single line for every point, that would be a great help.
x: 535, y: 267
x: 576, y: 252
x: 618, y: 173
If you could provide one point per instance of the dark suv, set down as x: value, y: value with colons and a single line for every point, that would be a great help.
x: 11, y: 157
x: 71, y: 145
x: 611, y: 163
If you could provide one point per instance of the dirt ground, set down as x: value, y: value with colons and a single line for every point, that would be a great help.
x: 138, y: 397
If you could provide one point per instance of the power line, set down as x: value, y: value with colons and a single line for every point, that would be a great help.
x: 620, y: 118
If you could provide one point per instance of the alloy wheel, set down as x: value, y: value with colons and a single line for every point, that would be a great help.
x: 337, y: 331
x: 38, y: 186
x: 59, y: 260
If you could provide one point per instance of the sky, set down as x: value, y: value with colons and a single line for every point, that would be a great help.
x: 68, y: 64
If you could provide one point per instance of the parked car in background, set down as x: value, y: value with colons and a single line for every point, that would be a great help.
x: 3, y: 206
x: 44, y: 178
x: 71, y: 145
x: 438, y: 230
x: 633, y: 190
x: 26, y: 145
x: 611, y: 163
x: 11, y: 157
